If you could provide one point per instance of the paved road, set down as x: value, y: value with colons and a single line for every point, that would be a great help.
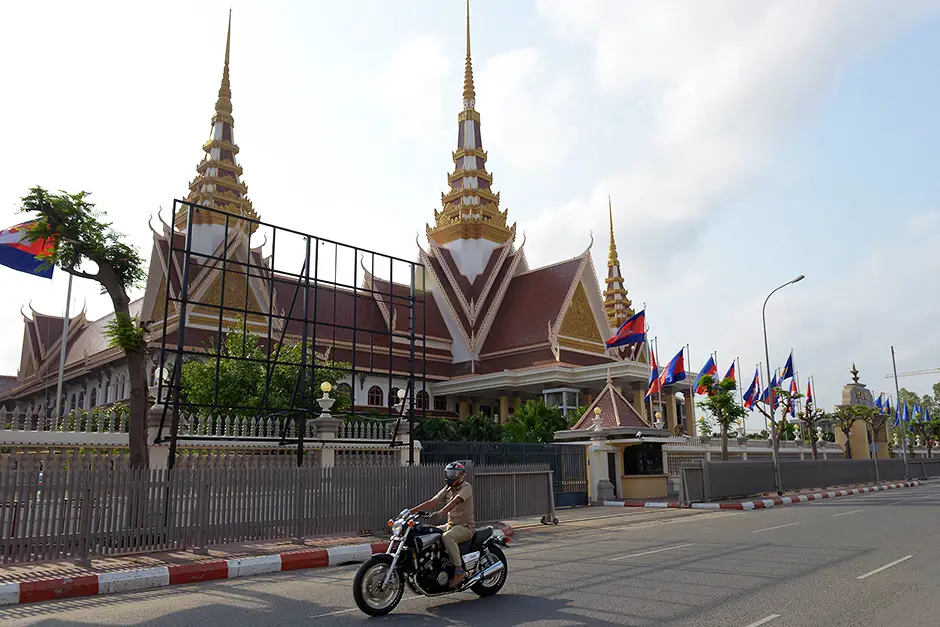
x: 854, y: 561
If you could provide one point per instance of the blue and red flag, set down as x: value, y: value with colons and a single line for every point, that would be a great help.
x: 787, y: 368
x: 880, y: 403
x: 710, y: 368
x: 633, y: 331
x: 654, y: 376
x: 750, y: 397
x: 20, y: 254
x: 675, y: 371
x: 770, y: 393
x: 793, y: 393
x: 809, y: 396
x: 730, y: 373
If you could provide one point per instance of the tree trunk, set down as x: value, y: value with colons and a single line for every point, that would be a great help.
x: 848, y: 444
x: 136, y: 375
x: 812, y: 440
x: 724, y: 442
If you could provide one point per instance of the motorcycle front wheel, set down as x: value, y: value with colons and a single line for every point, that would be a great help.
x: 371, y: 596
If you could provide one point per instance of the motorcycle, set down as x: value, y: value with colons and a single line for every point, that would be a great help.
x: 416, y: 556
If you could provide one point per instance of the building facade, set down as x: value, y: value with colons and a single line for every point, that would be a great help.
x: 496, y: 331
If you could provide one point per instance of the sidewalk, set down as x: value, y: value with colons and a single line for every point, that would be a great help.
x: 44, y: 581
x: 768, y: 501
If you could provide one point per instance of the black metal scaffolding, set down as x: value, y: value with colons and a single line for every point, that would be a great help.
x: 259, y: 300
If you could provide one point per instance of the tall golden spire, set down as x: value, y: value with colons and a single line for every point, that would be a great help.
x: 218, y: 181
x: 469, y: 94
x: 616, y: 303
x: 470, y: 209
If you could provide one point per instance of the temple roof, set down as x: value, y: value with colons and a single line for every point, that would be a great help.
x: 616, y: 303
x: 616, y: 411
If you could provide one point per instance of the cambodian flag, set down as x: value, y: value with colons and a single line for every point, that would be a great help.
x: 654, y: 376
x: 675, y: 371
x: 633, y: 331
x: 787, y: 368
x: 20, y: 254
x: 880, y: 403
x: 710, y: 368
x: 750, y: 397
x: 730, y: 373
x: 809, y: 396
x: 793, y: 393
x: 770, y: 393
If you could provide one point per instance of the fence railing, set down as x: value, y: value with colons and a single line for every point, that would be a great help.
x: 715, y: 480
x: 75, y: 506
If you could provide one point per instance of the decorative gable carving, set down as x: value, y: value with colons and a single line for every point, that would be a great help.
x: 579, y: 321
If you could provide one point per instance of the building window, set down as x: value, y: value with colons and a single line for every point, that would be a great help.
x: 375, y: 397
x: 94, y: 397
x: 440, y: 403
x: 421, y: 400
x: 81, y: 399
x: 393, y: 397
x: 486, y: 410
x: 566, y: 399
x: 643, y: 459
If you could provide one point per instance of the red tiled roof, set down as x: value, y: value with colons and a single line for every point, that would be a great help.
x: 531, y: 302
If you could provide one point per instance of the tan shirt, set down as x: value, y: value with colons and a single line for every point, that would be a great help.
x: 462, y: 514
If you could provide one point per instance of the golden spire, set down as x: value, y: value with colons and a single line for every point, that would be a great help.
x: 223, y: 106
x: 469, y: 95
x: 616, y: 303
x: 612, y: 259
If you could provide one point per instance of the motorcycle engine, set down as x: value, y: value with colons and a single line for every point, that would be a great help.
x: 434, y: 571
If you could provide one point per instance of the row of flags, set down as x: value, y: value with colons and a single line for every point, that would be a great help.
x: 633, y: 331
x: 910, y: 415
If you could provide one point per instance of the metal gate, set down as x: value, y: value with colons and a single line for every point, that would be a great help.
x: 568, y: 463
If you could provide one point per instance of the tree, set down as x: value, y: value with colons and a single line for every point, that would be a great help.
x: 474, y: 428
x: 243, y: 377
x: 534, y: 421
x: 81, y: 237
x: 845, y: 416
x: 723, y: 407
x: 811, y: 419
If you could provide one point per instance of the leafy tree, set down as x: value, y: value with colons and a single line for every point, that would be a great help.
x: 811, y: 419
x: 534, y: 421
x: 81, y: 237
x: 475, y: 428
x: 723, y: 407
x: 845, y: 416
x: 704, y: 427
x: 240, y: 387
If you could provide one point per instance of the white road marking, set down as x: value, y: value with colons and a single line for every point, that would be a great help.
x: 668, y: 548
x: 885, y: 567
x: 356, y: 609
x: 854, y: 511
x: 764, y: 620
x: 777, y: 527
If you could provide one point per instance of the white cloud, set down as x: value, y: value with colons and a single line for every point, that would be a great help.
x: 522, y: 105
x: 417, y: 80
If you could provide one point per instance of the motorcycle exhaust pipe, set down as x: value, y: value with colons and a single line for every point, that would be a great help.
x: 492, y: 570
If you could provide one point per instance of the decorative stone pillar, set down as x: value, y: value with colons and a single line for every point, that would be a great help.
x: 159, y: 453
x: 325, y: 426
x: 503, y: 409
x: 689, y: 414
x: 639, y: 403
x: 856, y: 393
x: 672, y: 417
x: 598, y: 475
x: 463, y: 409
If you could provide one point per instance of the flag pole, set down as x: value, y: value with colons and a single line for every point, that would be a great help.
x: 760, y: 392
x: 798, y: 406
x: 737, y: 376
x: 690, y: 420
x: 659, y: 391
x: 65, y: 337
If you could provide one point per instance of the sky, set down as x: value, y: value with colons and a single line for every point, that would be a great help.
x: 742, y: 143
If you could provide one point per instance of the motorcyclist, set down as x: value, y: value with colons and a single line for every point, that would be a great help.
x: 455, y: 500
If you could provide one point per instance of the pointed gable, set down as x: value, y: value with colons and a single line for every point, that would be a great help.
x: 616, y: 411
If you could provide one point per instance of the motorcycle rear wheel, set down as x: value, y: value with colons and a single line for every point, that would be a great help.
x: 489, y: 587
x: 370, y: 597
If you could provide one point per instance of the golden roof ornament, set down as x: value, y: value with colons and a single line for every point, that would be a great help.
x: 469, y: 94
x: 617, y: 304
x: 854, y: 372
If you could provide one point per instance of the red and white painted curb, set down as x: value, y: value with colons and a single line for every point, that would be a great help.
x: 765, y: 503
x: 160, y: 576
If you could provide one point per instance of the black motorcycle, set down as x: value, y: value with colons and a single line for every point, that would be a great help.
x: 416, y: 556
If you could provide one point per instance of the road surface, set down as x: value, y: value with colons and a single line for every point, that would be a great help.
x: 854, y: 561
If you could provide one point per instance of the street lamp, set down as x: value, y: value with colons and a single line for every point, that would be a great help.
x: 773, y: 427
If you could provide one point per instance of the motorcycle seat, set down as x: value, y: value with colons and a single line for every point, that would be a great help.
x: 476, y: 542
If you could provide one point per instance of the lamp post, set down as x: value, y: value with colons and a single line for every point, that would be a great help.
x: 773, y: 426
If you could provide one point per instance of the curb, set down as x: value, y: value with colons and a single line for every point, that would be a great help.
x: 766, y: 503
x: 160, y: 576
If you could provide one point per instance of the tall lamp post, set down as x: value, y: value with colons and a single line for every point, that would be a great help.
x: 773, y: 426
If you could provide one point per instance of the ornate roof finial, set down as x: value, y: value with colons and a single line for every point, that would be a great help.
x: 854, y: 372
x: 616, y: 303
x: 218, y: 182
x: 469, y: 95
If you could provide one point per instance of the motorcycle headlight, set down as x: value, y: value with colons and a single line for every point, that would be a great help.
x: 397, y: 527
